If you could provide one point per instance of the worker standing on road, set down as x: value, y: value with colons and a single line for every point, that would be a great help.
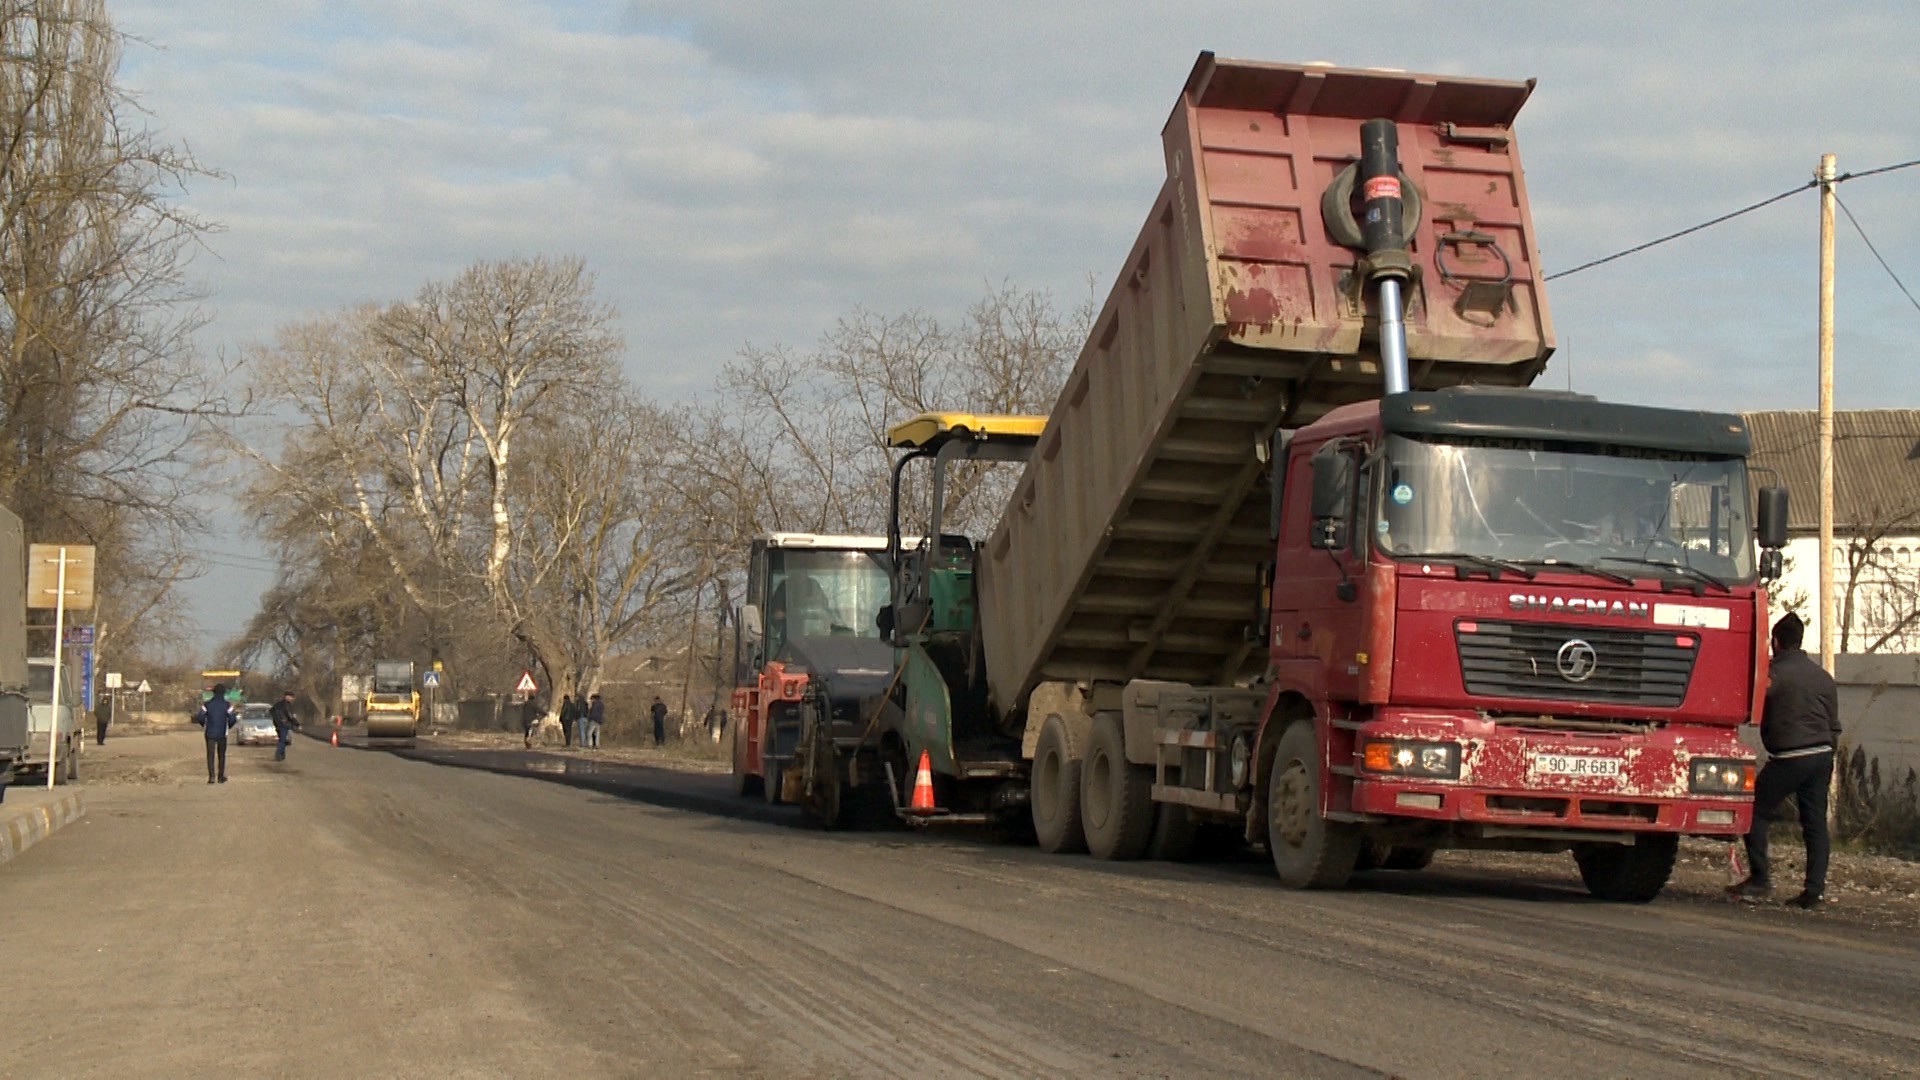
x: 1800, y: 726
x: 283, y: 723
x: 216, y: 716
x: 596, y: 715
x: 573, y: 722
x: 530, y: 716
x: 659, y: 711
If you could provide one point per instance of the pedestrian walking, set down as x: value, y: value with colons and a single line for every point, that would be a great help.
x: 216, y: 716
x: 659, y: 711
x: 102, y: 716
x: 283, y: 723
x: 530, y: 714
x: 1799, y: 726
x: 596, y: 716
x: 573, y: 722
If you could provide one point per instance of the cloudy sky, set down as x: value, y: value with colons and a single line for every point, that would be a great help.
x: 743, y: 170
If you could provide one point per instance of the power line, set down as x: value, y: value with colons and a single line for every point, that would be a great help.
x: 1684, y: 232
x: 1876, y: 251
x: 1841, y: 179
x: 1844, y: 177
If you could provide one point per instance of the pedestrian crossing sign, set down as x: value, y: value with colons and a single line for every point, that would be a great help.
x: 526, y: 685
x: 431, y: 680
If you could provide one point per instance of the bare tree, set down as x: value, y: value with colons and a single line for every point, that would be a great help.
x: 1880, y: 598
x: 100, y: 392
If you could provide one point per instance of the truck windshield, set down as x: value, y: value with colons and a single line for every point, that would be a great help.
x: 825, y: 593
x: 1617, y: 511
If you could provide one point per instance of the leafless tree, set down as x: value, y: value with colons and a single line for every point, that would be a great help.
x: 1880, y: 597
x: 100, y: 392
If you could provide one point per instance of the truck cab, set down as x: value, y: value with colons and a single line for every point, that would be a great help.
x: 808, y: 636
x: 61, y: 720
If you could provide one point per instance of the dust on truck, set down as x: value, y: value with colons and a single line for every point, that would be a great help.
x: 1295, y: 555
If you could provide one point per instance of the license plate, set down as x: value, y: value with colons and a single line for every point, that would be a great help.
x: 1576, y: 765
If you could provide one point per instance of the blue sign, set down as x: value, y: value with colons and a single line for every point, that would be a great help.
x: 86, y: 676
x: 430, y: 680
x: 79, y: 635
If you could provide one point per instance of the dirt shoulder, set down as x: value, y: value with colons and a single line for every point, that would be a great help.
x: 685, y: 756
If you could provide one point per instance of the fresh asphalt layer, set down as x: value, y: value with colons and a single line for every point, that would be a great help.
x: 365, y: 914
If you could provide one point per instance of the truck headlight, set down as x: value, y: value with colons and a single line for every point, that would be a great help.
x: 1721, y: 776
x: 1407, y: 757
x: 1239, y: 757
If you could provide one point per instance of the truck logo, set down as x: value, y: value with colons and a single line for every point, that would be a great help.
x: 1577, y: 661
x: 1580, y: 605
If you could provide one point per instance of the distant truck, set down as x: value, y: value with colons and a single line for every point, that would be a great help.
x: 1295, y: 557
x: 393, y: 705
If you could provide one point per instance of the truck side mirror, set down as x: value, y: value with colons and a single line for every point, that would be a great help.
x: 1332, y: 499
x: 750, y: 618
x: 1771, y: 521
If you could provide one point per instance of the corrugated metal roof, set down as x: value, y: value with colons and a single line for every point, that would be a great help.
x: 1876, y: 464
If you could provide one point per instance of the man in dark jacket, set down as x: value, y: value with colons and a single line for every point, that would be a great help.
x: 659, y: 721
x: 572, y: 723
x: 596, y: 716
x: 283, y: 723
x: 217, y: 716
x: 1800, y: 727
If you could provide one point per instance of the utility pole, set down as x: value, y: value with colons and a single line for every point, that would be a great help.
x: 1825, y: 177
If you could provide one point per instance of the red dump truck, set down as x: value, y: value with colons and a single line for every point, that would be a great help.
x: 1295, y: 553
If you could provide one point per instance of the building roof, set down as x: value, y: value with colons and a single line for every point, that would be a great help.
x: 1876, y: 465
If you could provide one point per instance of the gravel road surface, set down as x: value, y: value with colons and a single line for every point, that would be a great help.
x: 362, y: 914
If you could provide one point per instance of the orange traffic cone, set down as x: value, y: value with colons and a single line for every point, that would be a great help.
x: 923, y: 787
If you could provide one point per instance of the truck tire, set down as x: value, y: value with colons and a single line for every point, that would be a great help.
x: 1309, y: 852
x: 1174, y: 830
x: 1054, y: 792
x: 73, y: 768
x: 1116, y: 801
x: 1628, y: 874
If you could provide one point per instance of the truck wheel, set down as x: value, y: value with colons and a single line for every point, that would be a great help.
x: 1309, y: 852
x: 1116, y: 801
x: 1054, y: 792
x: 1628, y: 874
x: 73, y: 768
x: 1174, y: 830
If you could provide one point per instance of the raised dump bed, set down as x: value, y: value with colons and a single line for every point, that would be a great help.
x: 1131, y: 545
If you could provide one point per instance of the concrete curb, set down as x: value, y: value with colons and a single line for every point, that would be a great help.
x: 23, y: 827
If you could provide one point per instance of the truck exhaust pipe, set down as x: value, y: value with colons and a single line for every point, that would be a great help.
x: 1389, y: 265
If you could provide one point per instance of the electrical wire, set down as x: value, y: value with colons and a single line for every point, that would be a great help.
x: 1844, y: 177
x: 1841, y: 179
x: 1876, y: 251
x: 1684, y: 232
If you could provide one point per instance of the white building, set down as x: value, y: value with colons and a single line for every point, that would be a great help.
x: 1876, y: 549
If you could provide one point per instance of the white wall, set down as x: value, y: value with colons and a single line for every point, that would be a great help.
x: 1890, y: 586
x: 1880, y: 726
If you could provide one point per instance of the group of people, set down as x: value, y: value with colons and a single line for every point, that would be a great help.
x: 216, y: 718
x: 581, y: 721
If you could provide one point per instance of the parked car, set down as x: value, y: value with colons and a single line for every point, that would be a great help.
x: 255, y: 725
x: 46, y: 717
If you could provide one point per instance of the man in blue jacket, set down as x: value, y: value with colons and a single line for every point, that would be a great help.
x: 216, y: 716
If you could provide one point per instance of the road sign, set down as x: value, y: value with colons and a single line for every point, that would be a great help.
x: 526, y: 685
x: 78, y: 636
x: 48, y: 565
x: 146, y: 687
x: 86, y: 678
x: 430, y: 680
x: 113, y: 680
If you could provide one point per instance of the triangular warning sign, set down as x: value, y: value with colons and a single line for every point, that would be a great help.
x: 526, y: 685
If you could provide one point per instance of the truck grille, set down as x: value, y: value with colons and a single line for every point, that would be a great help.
x: 1575, y: 663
